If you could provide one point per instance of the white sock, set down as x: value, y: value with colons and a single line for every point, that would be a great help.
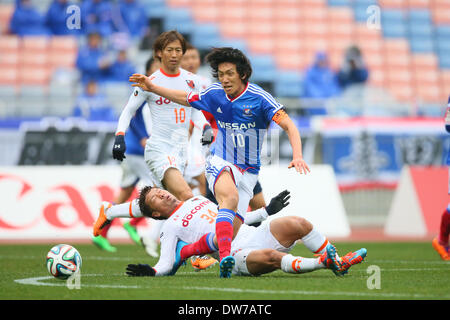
x: 256, y: 216
x: 291, y: 264
x: 124, y: 210
x: 315, y: 241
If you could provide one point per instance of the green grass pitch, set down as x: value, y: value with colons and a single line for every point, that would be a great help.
x: 407, y: 271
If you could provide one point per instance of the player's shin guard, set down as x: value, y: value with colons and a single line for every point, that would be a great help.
x: 203, y: 246
x: 224, y: 231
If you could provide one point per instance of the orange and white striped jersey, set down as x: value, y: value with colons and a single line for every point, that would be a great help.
x: 170, y: 121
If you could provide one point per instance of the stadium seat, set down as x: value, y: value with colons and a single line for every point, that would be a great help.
x: 9, y: 43
x: 35, y: 43
x: 205, y: 36
x: 264, y: 68
x: 8, y: 97
x: 32, y: 101
x: 9, y: 76
x: 179, y: 3
x: 179, y: 19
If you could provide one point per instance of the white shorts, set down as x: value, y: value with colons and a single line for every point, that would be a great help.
x: 195, y: 165
x: 249, y: 239
x: 134, y: 169
x: 159, y: 160
x: 244, y: 181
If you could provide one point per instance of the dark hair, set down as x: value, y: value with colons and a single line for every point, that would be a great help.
x: 235, y: 56
x: 165, y: 38
x: 189, y: 46
x: 145, y: 209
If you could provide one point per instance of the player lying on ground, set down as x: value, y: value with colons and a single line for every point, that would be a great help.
x: 256, y: 250
x: 243, y: 111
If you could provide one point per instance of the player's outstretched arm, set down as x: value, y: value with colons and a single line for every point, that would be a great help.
x: 296, y: 143
x: 145, y: 83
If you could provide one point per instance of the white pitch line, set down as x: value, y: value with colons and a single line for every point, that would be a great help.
x: 37, y: 282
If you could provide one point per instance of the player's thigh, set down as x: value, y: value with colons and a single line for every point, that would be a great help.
x: 287, y: 230
x: 257, y: 201
x: 225, y: 190
x: 174, y: 182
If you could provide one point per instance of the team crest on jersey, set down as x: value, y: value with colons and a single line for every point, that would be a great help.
x: 248, y: 111
x: 135, y: 93
x: 190, y: 83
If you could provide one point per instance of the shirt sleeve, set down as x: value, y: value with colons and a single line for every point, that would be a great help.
x: 137, y: 98
x: 269, y: 106
x: 205, y: 99
x: 167, y: 255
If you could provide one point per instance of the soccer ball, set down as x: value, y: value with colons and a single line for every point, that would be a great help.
x: 63, y: 260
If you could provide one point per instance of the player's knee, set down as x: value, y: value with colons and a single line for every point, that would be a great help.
x: 185, y: 194
x: 302, y: 225
x: 229, y: 199
x: 272, y: 257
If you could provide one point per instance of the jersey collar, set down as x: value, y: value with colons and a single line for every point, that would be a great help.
x: 177, y: 207
x: 239, y: 95
x: 169, y: 75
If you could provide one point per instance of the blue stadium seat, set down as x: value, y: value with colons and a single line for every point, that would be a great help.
x: 419, y: 16
x: 288, y: 84
x: 155, y: 8
x: 424, y: 29
x: 393, y: 15
x: 394, y: 30
x: 421, y: 44
x: 179, y: 19
x: 264, y: 68
x: 336, y: 3
x: 205, y: 36
x: 444, y: 60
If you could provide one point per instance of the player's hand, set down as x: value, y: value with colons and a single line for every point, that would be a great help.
x: 141, y: 81
x: 300, y: 165
x: 279, y: 202
x: 207, y: 135
x: 119, y: 147
x: 140, y: 270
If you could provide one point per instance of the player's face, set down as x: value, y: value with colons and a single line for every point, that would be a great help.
x: 230, y: 79
x: 171, y: 56
x: 161, y: 201
x: 191, y: 60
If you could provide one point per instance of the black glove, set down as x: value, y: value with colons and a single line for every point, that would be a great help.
x: 140, y: 270
x: 279, y: 202
x: 119, y: 148
x: 207, y: 135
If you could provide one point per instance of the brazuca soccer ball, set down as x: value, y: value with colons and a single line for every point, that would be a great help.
x: 63, y: 260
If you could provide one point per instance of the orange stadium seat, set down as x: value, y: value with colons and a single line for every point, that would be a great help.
x: 37, y: 76
x: 233, y: 28
x: 179, y: 3
x: 9, y: 76
x: 32, y: 59
x: 9, y: 43
x: 35, y: 43
x: 401, y: 91
x: 423, y: 4
x: 428, y: 92
x: 291, y: 61
x: 441, y: 14
x: 377, y: 77
x: 258, y: 45
x: 63, y: 43
x: 393, y: 3
x: 9, y: 59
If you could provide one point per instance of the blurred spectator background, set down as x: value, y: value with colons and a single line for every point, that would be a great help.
x: 326, y: 61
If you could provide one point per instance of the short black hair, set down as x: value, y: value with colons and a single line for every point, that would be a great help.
x: 145, y: 209
x: 232, y: 55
